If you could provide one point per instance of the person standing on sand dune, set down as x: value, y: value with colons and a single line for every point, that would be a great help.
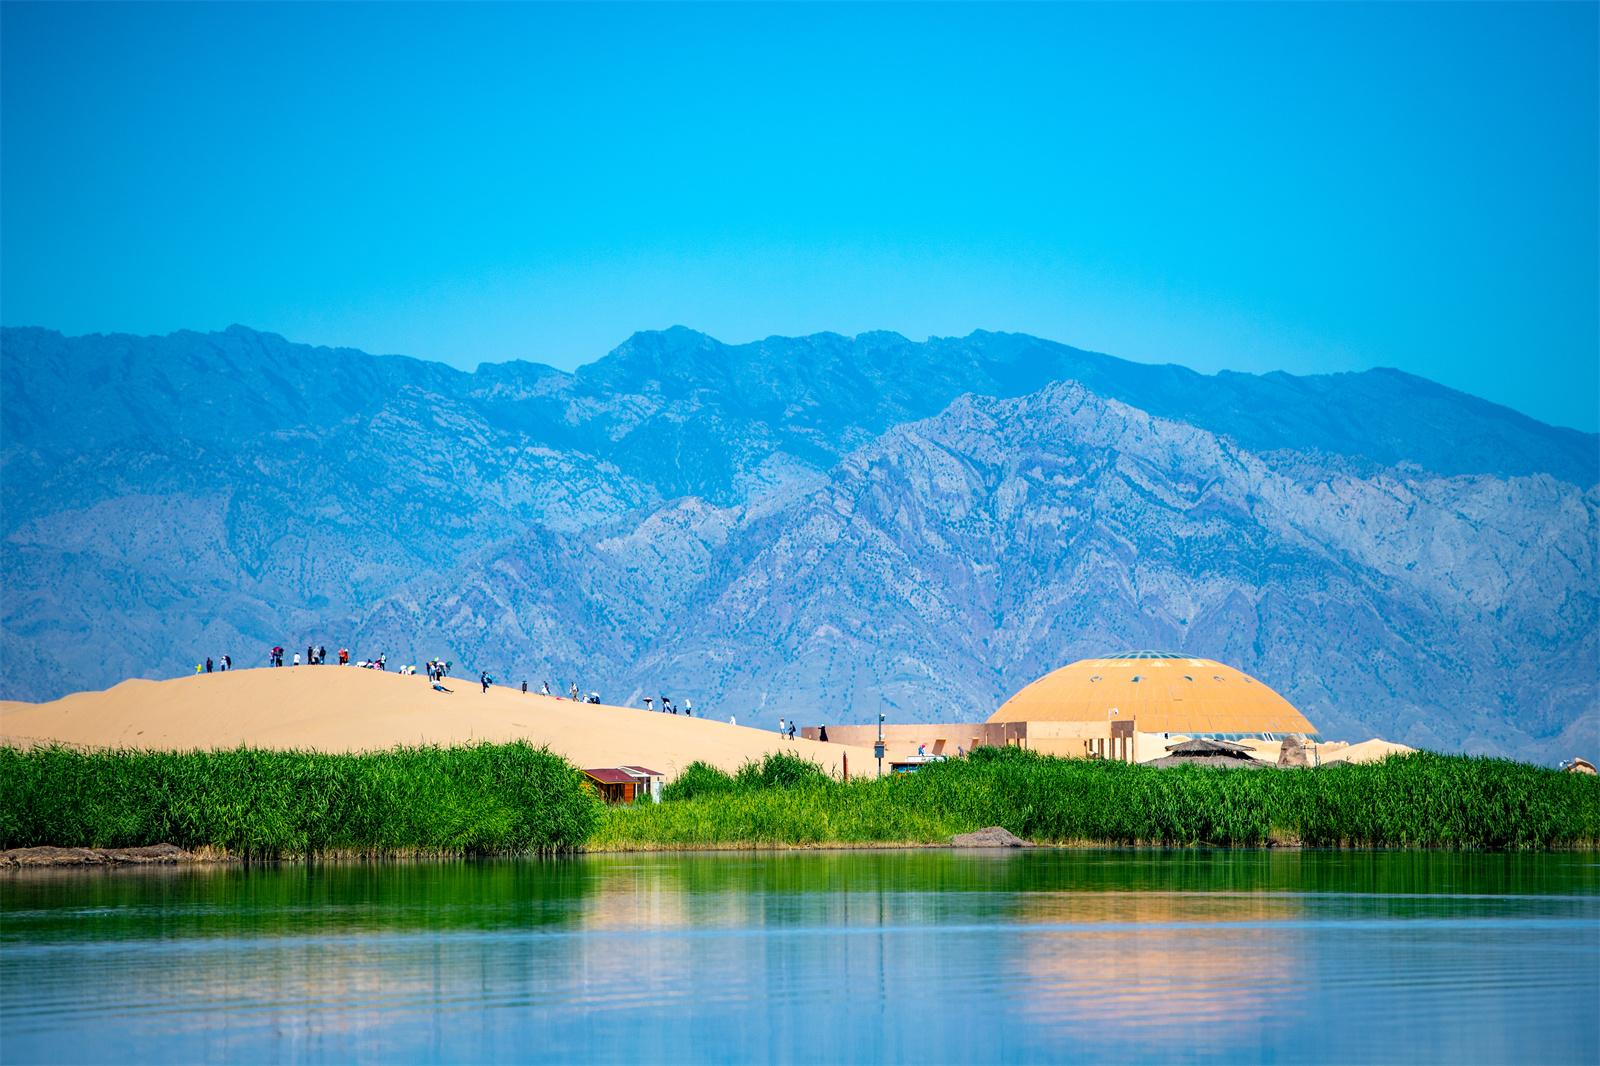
x: 524, y: 686
x: 547, y: 688
x: 296, y: 658
x: 208, y: 664
x: 649, y: 703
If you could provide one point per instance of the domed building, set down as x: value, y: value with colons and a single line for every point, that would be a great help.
x: 1162, y: 692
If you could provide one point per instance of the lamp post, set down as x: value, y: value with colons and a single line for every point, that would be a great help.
x: 1109, y: 713
x: 877, y: 749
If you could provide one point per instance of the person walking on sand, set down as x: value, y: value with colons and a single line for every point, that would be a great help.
x: 649, y: 703
x: 546, y: 688
x: 483, y: 679
x: 791, y: 729
x: 574, y: 692
x: 688, y: 708
x: 780, y: 726
x: 524, y: 686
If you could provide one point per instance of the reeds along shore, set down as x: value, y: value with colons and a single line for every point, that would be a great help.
x: 515, y: 798
x: 254, y: 803
x: 1416, y: 800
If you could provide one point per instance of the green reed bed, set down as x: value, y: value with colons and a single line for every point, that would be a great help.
x: 517, y: 798
x: 1418, y: 800
x: 262, y: 804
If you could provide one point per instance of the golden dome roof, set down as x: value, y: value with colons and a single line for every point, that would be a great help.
x: 1162, y: 692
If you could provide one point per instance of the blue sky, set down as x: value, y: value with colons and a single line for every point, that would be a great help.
x: 1256, y: 187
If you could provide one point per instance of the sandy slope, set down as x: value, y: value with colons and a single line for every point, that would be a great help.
x: 332, y: 708
x: 1367, y: 751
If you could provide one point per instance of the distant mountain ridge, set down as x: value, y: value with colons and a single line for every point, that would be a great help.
x: 84, y: 392
x: 164, y: 497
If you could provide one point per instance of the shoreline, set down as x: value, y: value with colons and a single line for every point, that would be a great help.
x: 172, y: 857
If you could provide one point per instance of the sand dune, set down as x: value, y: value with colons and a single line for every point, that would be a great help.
x: 336, y: 709
x: 1367, y: 751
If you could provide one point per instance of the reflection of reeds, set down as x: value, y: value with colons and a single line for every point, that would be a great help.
x: 1416, y: 800
x: 312, y: 899
x: 260, y: 803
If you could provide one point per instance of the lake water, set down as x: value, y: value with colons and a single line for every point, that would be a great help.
x: 854, y: 956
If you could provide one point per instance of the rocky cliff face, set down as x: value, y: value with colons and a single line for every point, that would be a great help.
x: 811, y: 527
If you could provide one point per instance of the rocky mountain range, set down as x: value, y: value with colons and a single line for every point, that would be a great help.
x: 815, y: 527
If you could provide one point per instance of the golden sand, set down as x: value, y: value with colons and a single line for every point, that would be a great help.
x: 346, y: 708
x: 1366, y: 751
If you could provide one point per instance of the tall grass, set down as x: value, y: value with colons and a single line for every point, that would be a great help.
x: 1415, y: 800
x: 259, y: 803
x: 516, y: 798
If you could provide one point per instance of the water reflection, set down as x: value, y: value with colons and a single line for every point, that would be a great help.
x: 831, y: 956
x: 1163, y: 959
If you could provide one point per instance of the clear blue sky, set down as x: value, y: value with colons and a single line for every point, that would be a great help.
x: 1266, y: 186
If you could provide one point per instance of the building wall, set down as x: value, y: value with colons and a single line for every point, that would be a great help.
x: 1122, y: 740
x: 1073, y: 740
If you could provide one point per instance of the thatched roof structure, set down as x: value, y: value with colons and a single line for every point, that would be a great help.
x: 1218, y: 754
x: 1201, y: 746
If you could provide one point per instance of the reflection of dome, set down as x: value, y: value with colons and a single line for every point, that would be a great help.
x: 1161, y: 692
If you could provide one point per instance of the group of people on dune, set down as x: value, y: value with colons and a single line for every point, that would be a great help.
x: 437, y: 670
x: 572, y: 693
x: 668, y: 708
x: 316, y: 655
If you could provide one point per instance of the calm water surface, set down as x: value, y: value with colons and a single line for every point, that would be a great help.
x: 920, y: 956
